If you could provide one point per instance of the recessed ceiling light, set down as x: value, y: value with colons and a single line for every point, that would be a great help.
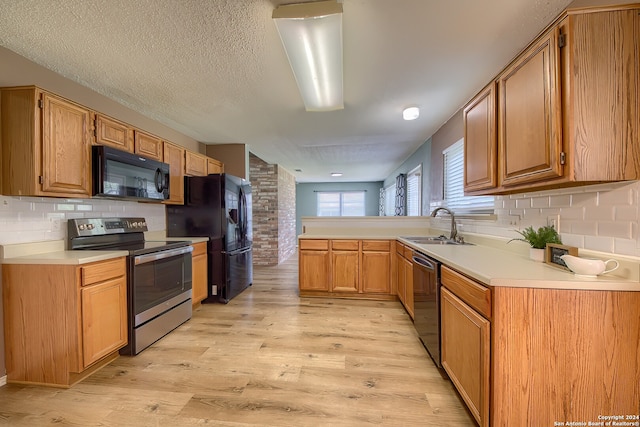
x: 298, y: 170
x: 411, y: 113
x: 335, y: 174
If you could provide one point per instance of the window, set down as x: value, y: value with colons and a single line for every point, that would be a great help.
x: 340, y: 203
x: 390, y: 200
x: 454, y: 197
x: 414, y: 190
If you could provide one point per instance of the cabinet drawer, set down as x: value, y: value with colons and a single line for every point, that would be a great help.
x: 399, y: 248
x: 199, y: 249
x: 344, y: 245
x: 100, y: 271
x: 376, y: 245
x: 314, y: 245
x: 472, y: 293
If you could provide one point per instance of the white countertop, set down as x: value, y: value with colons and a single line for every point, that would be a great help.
x: 495, y: 267
x: 65, y: 257
x: 53, y: 252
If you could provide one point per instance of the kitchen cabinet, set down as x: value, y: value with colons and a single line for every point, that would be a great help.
x: 346, y: 268
x: 74, y: 323
x: 46, y: 143
x: 376, y: 267
x: 345, y: 265
x: 529, y: 120
x: 173, y: 155
x: 404, y: 255
x: 195, y: 164
x: 508, y: 349
x: 113, y: 133
x: 147, y: 145
x: 481, y: 144
x: 567, y: 108
x: 314, y: 265
x: 199, y: 269
x: 466, y: 343
x: 214, y: 166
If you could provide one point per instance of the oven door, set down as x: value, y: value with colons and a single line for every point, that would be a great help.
x: 160, y: 281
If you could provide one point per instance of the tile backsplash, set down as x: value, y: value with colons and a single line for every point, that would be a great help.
x: 600, y: 217
x: 35, y: 219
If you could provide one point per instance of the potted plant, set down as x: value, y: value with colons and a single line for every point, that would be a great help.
x: 538, y: 240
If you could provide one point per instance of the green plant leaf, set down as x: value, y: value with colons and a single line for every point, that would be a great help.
x: 539, y: 238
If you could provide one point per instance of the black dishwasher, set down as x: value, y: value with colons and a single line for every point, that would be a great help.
x: 426, y: 301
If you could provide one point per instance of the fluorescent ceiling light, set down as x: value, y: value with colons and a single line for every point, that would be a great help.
x: 411, y: 113
x: 312, y: 37
x: 336, y: 174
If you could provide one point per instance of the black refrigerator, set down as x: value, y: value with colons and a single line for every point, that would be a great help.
x: 218, y: 206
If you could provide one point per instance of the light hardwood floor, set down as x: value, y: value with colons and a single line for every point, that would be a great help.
x: 268, y: 358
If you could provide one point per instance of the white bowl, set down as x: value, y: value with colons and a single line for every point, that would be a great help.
x: 588, y: 267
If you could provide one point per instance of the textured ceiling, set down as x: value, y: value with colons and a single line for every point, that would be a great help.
x: 216, y: 71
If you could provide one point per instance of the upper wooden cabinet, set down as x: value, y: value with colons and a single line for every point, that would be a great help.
x: 567, y: 108
x: 481, y: 147
x: 174, y: 156
x: 195, y: 164
x: 46, y: 144
x: 529, y: 117
x: 147, y: 145
x: 113, y: 133
x: 214, y: 166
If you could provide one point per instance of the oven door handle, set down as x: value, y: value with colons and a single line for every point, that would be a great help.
x: 424, y: 263
x: 143, y: 259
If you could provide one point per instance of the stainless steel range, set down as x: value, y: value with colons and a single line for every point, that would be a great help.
x: 158, y: 275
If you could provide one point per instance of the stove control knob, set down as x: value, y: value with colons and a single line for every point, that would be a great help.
x: 143, y: 223
x: 81, y: 227
x: 90, y: 226
x: 136, y: 224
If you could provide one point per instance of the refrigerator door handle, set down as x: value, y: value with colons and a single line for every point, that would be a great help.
x: 238, y: 252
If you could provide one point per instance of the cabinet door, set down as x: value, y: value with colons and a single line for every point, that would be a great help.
x: 104, y: 319
x: 214, y: 166
x: 174, y: 156
x: 345, y: 267
x: 313, y: 270
x: 195, y: 164
x: 401, y: 281
x: 199, y: 267
x: 376, y: 272
x: 66, y: 148
x: 529, y: 115
x: 466, y: 352
x: 408, y: 284
x: 148, y: 145
x: 113, y: 133
x: 480, y: 141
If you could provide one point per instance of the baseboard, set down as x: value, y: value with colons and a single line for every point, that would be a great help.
x: 3, y: 380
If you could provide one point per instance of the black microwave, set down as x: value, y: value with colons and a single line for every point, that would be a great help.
x: 122, y: 175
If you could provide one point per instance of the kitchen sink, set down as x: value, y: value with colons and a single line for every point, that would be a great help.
x: 434, y: 240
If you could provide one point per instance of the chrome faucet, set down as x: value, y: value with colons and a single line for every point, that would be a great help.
x: 454, y: 229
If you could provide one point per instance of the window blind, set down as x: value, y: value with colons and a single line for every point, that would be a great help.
x: 454, y: 197
x: 414, y: 190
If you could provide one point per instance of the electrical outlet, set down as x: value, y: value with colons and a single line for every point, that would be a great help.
x: 554, y: 221
x: 56, y: 224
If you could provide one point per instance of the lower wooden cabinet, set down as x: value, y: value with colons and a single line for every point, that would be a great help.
x: 534, y: 357
x: 404, y: 274
x: 314, y: 265
x: 199, y: 268
x: 345, y: 268
x: 75, y: 320
x: 466, y: 353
